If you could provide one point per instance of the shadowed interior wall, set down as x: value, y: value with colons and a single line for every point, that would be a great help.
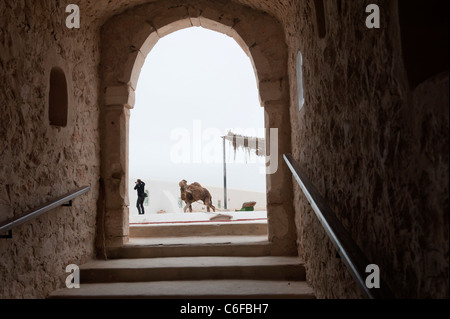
x: 376, y: 150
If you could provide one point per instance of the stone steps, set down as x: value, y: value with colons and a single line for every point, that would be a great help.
x: 192, y: 268
x: 264, y: 277
x: 198, y: 229
x: 251, y: 246
x: 188, y: 289
x: 215, y: 266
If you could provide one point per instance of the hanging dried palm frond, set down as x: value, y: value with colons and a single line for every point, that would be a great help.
x: 255, y: 144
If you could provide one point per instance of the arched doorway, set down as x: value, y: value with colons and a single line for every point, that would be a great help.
x: 127, y: 39
x: 195, y: 86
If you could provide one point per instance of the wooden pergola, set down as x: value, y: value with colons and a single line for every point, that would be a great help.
x: 255, y: 144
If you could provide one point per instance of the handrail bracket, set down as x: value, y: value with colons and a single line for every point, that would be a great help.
x: 8, y: 235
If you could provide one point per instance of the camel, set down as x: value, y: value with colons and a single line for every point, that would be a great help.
x: 186, y: 196
x: 194, y: 192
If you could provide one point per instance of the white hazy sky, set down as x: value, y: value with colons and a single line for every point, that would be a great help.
x: 195, y: 85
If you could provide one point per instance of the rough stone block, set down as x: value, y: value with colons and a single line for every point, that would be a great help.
x: 174, y: 26
x: 120, y: 95
x: 222, y: 17
x: 282, y: 228
x: 132, y: 69
x: 149, y: 43
x: 273, y: 90
x: 215, y: 26
x: 174, y: 18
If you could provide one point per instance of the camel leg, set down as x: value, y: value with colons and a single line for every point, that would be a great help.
x: 206, y: 203
x: 188, y: 205
x: 209, y: 204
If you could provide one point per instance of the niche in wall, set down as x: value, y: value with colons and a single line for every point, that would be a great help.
x: 424, y: 31
x: 320, y: 18
x: 58, y: 98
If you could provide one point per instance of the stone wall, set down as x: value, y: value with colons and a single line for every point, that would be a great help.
x: 38, y: 161
x: 376, y: 150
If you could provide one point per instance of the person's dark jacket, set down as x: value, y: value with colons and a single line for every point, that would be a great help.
x: 140, y: 189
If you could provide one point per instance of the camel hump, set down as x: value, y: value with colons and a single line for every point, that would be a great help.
x: 193, y: 186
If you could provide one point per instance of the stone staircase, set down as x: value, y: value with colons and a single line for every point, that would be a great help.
x: 190, y: 267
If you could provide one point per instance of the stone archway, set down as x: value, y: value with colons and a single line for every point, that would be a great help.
x: 126, y: 40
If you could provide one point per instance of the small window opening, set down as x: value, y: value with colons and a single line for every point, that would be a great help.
x: 58, y: 101
x: 301, y: 99
x: 320, y: 18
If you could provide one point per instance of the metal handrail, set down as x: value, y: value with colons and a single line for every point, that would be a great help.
x: 9, y: 224
x: 348, y: 250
